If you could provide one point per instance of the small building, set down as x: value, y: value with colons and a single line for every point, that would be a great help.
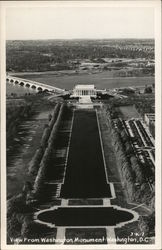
x: 149, y: 118
x: 81, y: 90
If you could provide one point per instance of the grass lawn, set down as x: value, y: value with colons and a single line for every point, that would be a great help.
x: 128, y: 112
x: 86, y: 202
x: 22, y: 148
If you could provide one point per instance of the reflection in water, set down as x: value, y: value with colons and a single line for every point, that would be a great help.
x: 86, y: 216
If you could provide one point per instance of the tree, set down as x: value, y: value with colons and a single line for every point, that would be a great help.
x: 148, y: 89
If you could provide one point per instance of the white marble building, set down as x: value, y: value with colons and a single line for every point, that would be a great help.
x: 81, y: 90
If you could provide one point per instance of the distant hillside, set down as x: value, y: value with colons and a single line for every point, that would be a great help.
x: 46, y: 55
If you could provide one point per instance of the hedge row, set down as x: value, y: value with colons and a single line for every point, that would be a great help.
x: 19, y: 208
x: 53, y: 134
x: 45, y: 136
x: 132, y: 177
x: 34, y: 164
x: 42, y: 170
x: 40, y: 178
x: 54, y: 116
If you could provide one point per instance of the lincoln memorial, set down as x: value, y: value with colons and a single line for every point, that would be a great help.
x: 84, y: 90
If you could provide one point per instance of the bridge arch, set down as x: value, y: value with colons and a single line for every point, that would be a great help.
x: 33, y: 87
x: 22, y: 83
x: 39, y: 89
x: 27, y: 85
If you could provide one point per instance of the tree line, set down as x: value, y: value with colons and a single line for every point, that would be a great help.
x: 19, y: 208
x: 36, y: 56
x: 131, y: 173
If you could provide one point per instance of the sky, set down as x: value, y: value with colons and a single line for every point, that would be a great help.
x: 79, y: 22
